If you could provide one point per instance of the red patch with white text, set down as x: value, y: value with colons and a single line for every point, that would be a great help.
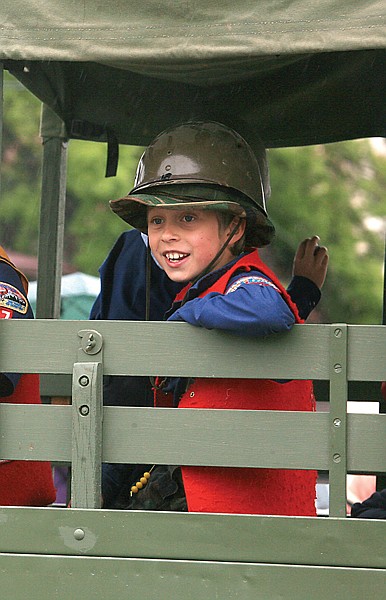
x: 5, y: 313
x: 12, y: 299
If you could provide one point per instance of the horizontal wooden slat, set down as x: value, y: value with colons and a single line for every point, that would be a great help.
x: 177, y: 349
x: 173, y: 349
x: 192, y: 536
x: 366, y: 442
x: 204, y: 437
x: 154, y: 580
x: 248, y: 438
x: 366, y: 352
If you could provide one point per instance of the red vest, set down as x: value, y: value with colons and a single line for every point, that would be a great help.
x: 246, y: 490
x: 25, y: 483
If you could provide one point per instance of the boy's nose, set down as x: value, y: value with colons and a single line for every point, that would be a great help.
x: 169, y: 232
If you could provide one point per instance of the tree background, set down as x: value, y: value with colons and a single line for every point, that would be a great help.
x: 334, y: 190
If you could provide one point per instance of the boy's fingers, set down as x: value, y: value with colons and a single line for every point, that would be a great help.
x: 321, y: 250
x: 311, y: 243
x: 301, y: 249
x: 306, y: 246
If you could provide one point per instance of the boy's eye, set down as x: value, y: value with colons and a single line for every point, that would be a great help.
x: 156, y: 221
x: 188, y: 218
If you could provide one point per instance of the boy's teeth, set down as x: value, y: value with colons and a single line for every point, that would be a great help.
x: 174, y: 256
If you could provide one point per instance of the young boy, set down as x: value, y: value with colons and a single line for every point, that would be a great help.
x: 204, y: 223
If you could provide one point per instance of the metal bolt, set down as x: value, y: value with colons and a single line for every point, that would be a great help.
x: 84, y: 410
x: 90, y: 343
x: 338, y: 332
x: 336, y: 458
x: 337, y: 422
x: 79, y: 534
x: 84, y: 380
x: 338, y: 368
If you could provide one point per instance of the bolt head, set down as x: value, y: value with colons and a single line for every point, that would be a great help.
x: 79, y: 534
x: 84, y: 381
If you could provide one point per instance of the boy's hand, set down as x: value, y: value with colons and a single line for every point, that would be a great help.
x: 311, y: 261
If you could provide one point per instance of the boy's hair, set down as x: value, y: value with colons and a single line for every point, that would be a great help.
x: 224, y: 220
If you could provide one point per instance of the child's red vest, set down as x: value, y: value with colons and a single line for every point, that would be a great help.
x: 25, y: 483
x: 246, y: 490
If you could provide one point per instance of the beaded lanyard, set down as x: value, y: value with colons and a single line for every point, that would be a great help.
x: 141, y: 482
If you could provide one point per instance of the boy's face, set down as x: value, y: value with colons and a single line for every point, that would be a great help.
x: 185, y: 241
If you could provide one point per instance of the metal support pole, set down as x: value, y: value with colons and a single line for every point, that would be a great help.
x: 52, y: 211
x: 381, y: 479
x: 384, y: 287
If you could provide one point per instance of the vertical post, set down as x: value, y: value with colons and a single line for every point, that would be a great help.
x: 381, y: 479
x: 86, y: 435
x: 52, y: 210
x: 87, y: 418
x: 384, y: 287
x: 338, y: 420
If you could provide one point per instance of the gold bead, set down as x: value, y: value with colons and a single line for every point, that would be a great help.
x: 147, y: 475
x: 134, y: 489
x: 139, y: 485
x: 143, y: 480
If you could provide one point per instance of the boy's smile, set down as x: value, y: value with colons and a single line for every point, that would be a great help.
x: 184, y: 241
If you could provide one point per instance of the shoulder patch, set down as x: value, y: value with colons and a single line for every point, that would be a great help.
x: 251, y: 279
x: 11, y: 298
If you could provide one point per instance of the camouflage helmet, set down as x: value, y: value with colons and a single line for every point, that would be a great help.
x: 204, y: 160
x: 204, y: 152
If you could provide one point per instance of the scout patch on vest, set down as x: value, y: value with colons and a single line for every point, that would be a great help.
x: 11, y: 298
x: 254, y: 279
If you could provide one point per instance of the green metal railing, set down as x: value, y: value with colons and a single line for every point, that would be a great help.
x: 91, y: 553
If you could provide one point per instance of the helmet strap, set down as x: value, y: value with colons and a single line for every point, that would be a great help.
x: 214, y: 260
x: 147, y: 298
x: 148, y: 282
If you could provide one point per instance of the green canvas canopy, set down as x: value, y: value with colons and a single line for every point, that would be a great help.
x: 296, y: 72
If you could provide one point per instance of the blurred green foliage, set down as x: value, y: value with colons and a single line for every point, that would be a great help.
x: 91, y: 226
x: 335, y: 191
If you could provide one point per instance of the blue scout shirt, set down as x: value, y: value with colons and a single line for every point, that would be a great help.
x: 251, y: 306
x: 123, y: 285
x: 13, y: 305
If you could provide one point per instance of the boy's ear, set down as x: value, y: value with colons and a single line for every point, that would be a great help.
x: 240, y: 231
